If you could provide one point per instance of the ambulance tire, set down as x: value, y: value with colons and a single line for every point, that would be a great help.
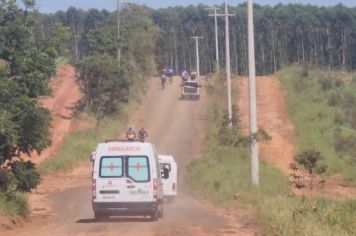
x: 160, y: 211
x: 100, y: 216
x: 154, y: 215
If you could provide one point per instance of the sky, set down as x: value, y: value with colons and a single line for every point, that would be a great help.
x: 49, y: 6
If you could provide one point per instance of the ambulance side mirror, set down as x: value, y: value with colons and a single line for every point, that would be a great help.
x: 92, y: 156
x: 165, y: 173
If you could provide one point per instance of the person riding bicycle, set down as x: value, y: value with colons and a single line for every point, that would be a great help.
x: 130, y: 134
x: 142, y: 135
x: 163, y: 79
x: 170, y: 73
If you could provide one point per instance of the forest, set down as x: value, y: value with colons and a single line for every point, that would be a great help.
x: 284, y: 35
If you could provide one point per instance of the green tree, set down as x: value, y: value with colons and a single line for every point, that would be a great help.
x: 104, y: 84
x: 26, y: 64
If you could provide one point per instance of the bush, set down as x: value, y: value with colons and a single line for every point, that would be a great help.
x: 310, y: 160
x: 13, y: 205
x: 326, y: 83
x: 335, y: 99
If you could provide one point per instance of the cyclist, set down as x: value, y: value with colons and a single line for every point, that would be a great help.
x: 163, y: 80
x: 130, y: 134
x: 170, y: 75
x: 142, y: 135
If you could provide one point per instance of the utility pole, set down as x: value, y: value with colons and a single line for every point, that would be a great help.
x: 227, y: 62
x: 197, y: 51
x: 118, y: 34
x: 216, y: 36
x: 252, y: 94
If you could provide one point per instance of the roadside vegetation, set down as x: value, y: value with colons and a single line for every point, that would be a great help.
x: 322, y: 106
x: 221, y: 174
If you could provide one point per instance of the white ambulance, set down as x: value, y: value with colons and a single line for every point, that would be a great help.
x: 126, y: 180
x: 167, y: 163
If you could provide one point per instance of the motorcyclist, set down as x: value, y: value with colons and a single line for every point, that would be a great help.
x: 142, y: 135
x: 130, y: 134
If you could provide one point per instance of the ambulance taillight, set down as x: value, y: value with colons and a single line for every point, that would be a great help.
x: 94, y: 189
x: 155, y: 187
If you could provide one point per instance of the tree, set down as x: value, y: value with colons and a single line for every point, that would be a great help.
x: 310, y: 160
x: 104, y: 84
x: 26, y: 64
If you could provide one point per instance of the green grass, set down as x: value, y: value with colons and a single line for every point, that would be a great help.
x: 302, y: 216
x: 14, y: 205
x: 221, y: 174
x: 60, y: 62
x: 317, y: 123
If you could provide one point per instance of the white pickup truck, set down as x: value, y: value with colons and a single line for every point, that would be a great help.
x: 190, y: 89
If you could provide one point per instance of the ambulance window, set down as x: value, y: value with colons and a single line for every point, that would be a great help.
x: 138, y: 169
x: 111, y: 167
x: 165, y: 165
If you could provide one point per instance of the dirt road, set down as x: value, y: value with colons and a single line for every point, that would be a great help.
x: 176, y: 127
x: 66, y: 94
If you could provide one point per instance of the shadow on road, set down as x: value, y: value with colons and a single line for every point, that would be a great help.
x: 113, y: 220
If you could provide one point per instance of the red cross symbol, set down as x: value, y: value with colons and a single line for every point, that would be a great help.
x: 112, y: 166
x: 138, y: 166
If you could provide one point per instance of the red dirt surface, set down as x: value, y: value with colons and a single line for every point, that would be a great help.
x: 272, y: 117
x: 279, y: 151
x: 62, y: 105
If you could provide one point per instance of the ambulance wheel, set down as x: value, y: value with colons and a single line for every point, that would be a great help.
x: 154, y: 215
x: 100, y: 216
x: 160, y: 210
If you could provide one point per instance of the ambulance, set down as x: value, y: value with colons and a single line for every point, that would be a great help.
x: 126, y: 180
x: 167, y: 164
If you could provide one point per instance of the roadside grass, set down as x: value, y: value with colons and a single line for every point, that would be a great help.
x: 323, y: 108
x: 14, y: 205
x: 61, y: 61
x: 221, y: 175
